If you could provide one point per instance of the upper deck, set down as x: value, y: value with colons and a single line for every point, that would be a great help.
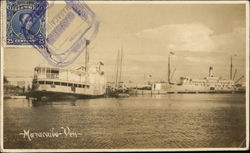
x: 67, y: 75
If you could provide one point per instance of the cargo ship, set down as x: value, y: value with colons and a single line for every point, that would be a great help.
x: 209, y: 84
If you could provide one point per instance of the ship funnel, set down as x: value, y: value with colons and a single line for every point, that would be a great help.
x: 210, y: 71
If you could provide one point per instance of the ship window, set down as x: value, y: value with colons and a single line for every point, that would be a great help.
x: 75, y: 85
x: 64, y: 84
x: 54, y: 71
x: 49, y: 82
x: 54, y: 74
x: 38, y: 70
x: 48, y: 70
x: 69, y: 84
x: 79, y: 86
x: 87, y: 86
x: 43, y: 70
x: 41, y: 82
x: 48, y: 74
x: 83, y: 86
x: 57, y: 83
x: 35, y: 81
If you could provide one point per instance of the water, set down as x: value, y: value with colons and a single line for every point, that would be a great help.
x: 162, y: 121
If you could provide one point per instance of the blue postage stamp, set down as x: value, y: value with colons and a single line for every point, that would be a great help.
x: 18, y: 12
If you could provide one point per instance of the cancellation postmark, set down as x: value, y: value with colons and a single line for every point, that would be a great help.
x: 71, y: 26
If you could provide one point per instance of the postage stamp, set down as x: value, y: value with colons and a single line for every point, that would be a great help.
x: 71, y: 26
x: 17, y: 12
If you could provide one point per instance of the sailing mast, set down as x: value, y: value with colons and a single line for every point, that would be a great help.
x: 169, y: 69
x: 231, y: 68
x: 117, y: 68
x: 120, y: 77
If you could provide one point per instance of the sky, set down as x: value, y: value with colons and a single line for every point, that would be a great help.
x: 199, y: 35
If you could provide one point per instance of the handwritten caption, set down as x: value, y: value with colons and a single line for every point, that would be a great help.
x: 52, y: 133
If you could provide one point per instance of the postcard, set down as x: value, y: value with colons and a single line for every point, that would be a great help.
x: 80, y: 76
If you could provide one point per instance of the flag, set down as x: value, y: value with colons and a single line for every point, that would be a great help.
x: 101, y: 63
x: 172, y: 53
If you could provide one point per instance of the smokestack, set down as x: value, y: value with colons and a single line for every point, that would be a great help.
x: 210, y: 71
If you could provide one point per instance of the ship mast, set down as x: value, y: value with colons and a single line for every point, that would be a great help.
x: 120, y: 77
x: 169, y: 68
x: 231, y: 68
x: 210, y: 71
x: 86, y: 56
x: 117, y: 68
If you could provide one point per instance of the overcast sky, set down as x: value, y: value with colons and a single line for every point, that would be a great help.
x: 200, y: 35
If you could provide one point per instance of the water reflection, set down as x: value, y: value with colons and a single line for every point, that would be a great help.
x: 37, y: 103
x: 164, y: 121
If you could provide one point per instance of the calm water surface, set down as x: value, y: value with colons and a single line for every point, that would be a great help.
x: 162, y: 121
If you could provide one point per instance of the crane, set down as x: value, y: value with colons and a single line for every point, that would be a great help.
x: 172, y: 74
x: 239, y: 79
x: 234, y: 74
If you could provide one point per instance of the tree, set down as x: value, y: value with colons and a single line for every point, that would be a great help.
x: 5, y: 80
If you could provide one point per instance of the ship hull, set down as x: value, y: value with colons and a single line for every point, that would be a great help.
x: 199, y: 89
x: 51, y: 95
x: 190, y: 89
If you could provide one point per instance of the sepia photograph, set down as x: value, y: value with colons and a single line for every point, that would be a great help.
x: 80, y: 75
